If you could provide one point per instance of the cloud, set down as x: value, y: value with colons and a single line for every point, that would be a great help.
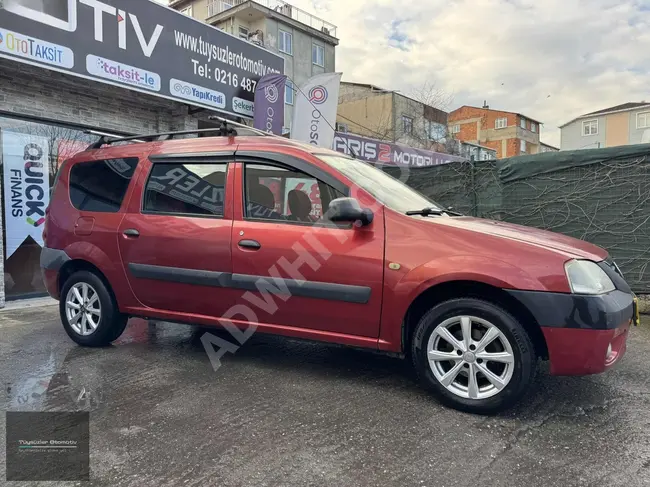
x: 552, y: 60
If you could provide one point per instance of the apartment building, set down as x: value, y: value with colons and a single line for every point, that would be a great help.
x: 624, y: 124
x: 508, y: 133
x: 306, y: 42
x: 371, y: 111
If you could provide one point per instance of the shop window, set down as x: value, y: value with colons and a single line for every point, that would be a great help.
x: 23, y: 242
x: 101, y: 185
x: 186, y: 189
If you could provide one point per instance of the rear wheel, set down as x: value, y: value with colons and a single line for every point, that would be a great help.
x: 474, y: 355
x: 88, y: 311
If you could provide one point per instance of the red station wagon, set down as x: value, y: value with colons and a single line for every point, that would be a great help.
x: 247, y: 229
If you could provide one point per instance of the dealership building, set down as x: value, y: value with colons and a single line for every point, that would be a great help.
x: 73, y: 70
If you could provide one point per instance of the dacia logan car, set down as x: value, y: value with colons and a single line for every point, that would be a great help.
x: 255, y: 232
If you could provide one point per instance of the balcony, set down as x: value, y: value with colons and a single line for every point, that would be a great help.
x: 216, y: 7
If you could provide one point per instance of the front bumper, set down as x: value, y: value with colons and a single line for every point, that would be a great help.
x: 580, y: 329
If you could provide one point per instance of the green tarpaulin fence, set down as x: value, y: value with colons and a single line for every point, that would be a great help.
x: 598, y: 195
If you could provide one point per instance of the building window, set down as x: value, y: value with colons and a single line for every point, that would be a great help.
x: 288, y: 93
x: 522, y: 121
x: 435, y: 131
x: 166, y: 194
x: 342, y: 127
x: 590, y: 127
x: 522, y: 146
x: 318, y: 55
x: 643, y: 120
x: 455, y: 129
x: 285, y: 42
x: 533, y: 127
x: 217, y: 6
x: 501, y: 123
x: 187, y: 11
x: 407, y: 125
x: 243, y: 33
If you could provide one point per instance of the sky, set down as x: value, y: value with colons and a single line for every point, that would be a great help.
x: 551, y: 60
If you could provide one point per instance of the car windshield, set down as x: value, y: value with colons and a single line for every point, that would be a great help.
x: 389, y: 191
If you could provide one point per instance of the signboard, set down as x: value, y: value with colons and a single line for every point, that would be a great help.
x: 379, y: 152
x: 26, y: 187
x: 138, y: 45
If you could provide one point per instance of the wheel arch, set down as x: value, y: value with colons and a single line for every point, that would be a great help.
x: 75, y: 265
x: 471, y: 289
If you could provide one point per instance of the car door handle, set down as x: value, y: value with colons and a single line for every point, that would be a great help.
x: 250, y: 244
x: 131, y: 232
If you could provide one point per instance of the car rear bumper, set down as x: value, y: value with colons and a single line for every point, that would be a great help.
x: 51, y: 262
x: 584, y: 334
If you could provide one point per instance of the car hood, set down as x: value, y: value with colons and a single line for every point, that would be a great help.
x: 573, y: 247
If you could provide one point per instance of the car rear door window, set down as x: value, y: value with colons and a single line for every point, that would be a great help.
x: 101, y: 185
x: 186, y: 189
x: 277, y: 193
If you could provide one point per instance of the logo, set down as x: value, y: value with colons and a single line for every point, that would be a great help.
x: 242, y: 106
x: 318, y: 95
x: 122, y: 73
x: 182, y: 89
x: 35, y: 49
x: 198, y: 94
x: 271, y: 93
x: 28, y: 197
x: 66, y: 19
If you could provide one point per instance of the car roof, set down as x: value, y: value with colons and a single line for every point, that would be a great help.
x: 204, y: 144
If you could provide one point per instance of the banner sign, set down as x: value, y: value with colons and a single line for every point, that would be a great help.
x: 314, y: 114
x: 379, y: 152
x: 269, y: 103
x: 26, y: 187
x: 138, y: 45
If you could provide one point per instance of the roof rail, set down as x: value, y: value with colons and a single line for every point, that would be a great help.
x: 226, y: 129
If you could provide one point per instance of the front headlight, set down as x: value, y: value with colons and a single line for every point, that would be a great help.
x: 586, y: 277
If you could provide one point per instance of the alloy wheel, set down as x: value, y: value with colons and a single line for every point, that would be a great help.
x: 470, y: 357
x: 83, y: 308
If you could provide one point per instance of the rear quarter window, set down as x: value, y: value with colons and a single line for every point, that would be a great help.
x: 101, y: 185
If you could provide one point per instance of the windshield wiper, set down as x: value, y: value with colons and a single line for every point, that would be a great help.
x: 432, y: 211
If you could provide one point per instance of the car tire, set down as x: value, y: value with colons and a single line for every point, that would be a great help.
x: 89, y: 312
x: 503, y: 366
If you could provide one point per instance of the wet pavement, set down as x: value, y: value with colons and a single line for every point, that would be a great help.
x: 282, y: 412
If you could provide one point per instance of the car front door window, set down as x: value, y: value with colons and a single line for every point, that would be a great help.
x: 280, y: 194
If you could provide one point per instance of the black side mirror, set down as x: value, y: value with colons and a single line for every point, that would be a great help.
x: 347, y: 210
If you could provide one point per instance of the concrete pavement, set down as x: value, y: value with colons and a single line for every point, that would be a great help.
x: 282, y: 412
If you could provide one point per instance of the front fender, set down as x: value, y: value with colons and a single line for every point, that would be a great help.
x: 400, y: 294
x: 494, y: 272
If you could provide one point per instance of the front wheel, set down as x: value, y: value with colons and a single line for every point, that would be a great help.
x: 474, y: 355
x: 88, y: 311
